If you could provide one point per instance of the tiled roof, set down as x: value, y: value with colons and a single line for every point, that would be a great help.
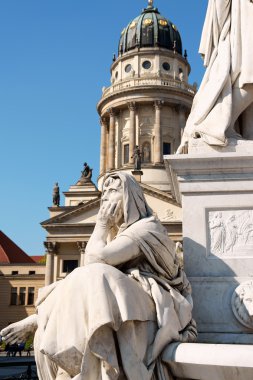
x: 38, y: 259
x: 10, y: 253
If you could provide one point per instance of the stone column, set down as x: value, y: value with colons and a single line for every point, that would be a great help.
x: 51, y: 248
x: 181, y: 111
x: 158, y: 149
x: 81, y: 245
x: 132, y: 109
x: 111, y: 150
x: 137, y: 129
x: 181, y: 118
x: 103, y: 144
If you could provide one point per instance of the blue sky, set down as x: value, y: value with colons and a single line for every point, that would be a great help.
x: 55, y: 57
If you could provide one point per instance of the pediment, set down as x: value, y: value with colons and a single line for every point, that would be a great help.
x: 81, y: 214
x: 165, y: 207
x: 162, y: 203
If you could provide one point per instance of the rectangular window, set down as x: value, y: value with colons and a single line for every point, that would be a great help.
x: 126, y: 153
x: 14, y: 272
x: 32, y: 272
x: 30, y: 300
x: 22, y: 294
x: 166, y: 148
x: 14, y: 296
x: 69, y: 265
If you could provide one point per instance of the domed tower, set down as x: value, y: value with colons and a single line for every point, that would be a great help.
x: 149, y: 98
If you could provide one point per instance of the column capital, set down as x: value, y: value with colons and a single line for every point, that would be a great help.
x: 111, y: 111
x: 81, y: 245
x: 158, y: 104
x: 131, y: 106
x: 103, y: 121
x: 51, y: 246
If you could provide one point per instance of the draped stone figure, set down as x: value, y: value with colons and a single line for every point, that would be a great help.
x: 112, y: 318
x: 222, y: 107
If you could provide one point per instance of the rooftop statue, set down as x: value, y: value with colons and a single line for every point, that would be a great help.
x: 226, y: 91
x: 56, y: 195
x: 87, y: 171
x: 111, y: 318
x: 86, y: 175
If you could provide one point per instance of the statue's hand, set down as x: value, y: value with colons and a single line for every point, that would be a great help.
x: 14, y: 333
x: 109, y: 214
x: 19, y: 331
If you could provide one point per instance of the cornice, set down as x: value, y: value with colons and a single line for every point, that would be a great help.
x: 167, y: 94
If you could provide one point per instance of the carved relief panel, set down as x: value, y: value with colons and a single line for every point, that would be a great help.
x: 230, y: 233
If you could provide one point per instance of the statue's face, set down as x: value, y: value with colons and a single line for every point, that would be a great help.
x: 247, y: 299
x: 113, y: 195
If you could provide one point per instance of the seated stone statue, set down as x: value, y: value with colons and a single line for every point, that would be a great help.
x: 112, y: 318
x: 222, y: 107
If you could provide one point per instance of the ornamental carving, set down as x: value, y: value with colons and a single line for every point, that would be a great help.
x: 242, y: 304
x: 51, y: 246
x: 231, y: 233
x: 81, y: 245
x: 169, y: 215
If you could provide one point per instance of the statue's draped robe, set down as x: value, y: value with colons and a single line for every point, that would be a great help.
x: 78, y: 317
x: 100, y: 318
x: 227, y: 49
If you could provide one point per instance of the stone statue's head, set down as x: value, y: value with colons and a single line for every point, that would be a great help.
x: 123, y: 186
x: 246, y: 298
x: 243, y: 303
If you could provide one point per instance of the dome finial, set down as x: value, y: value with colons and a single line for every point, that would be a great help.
x: 150, y: 3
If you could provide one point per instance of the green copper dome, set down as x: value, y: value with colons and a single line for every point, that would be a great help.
x: 150, y: 29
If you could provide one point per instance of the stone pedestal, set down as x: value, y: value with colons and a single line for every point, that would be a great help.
x: 216, y: 193
x: 137, y: 175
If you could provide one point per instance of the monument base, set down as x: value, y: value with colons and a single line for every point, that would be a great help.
x: 209, y: 361
x: 216, y: 193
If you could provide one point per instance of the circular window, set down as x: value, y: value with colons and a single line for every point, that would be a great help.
x: 146, y: 65
x: 128, y: 68
x: 166, y: 66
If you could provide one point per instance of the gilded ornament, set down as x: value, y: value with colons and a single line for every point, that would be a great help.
x: 148, y: 22
x: 163, y: 22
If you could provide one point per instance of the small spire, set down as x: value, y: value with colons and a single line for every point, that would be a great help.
x: 150, y: 3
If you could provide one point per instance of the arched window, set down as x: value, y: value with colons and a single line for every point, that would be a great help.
x: 146, y: 152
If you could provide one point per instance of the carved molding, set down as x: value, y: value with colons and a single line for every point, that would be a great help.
x: 168, y: 215
x: 132, y: 106
x: 242, y: 304
x: 81, y: 245
x: 158, y: 104
x: 111, y: 111
x: 51, y: 247
x: 104, y: 121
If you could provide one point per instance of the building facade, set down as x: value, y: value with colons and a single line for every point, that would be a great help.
x: 20, y: 280
x: 146, y: 106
